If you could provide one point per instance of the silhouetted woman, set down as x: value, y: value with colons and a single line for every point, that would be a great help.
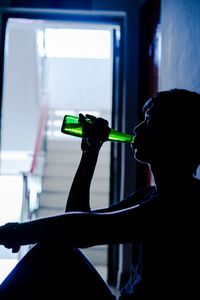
x: 162, y: 221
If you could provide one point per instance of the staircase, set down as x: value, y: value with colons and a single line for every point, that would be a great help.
x: 62, y: 159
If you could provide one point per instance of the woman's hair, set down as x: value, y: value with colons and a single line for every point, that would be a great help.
x: 177, y: 101
x: 180, y: 109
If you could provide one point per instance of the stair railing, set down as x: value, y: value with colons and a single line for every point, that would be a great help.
x: 33, y: 179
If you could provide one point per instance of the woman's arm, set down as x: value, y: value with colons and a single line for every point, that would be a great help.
x: 131, y: 201
x: 79, y: 196
x: 79, y: 229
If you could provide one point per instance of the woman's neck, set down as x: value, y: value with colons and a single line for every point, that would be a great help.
x: 174, y: 177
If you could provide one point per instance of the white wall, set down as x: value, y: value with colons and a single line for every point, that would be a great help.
x: 21, y: 97
x: 92, y: 77
x: 21, y: 110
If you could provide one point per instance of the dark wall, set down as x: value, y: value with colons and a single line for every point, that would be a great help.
x: 69, y: 4
x: 180, y: 63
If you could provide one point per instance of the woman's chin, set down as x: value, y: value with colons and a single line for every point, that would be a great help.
x: 140, y: 157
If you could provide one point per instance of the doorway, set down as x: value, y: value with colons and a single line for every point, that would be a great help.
x: 73, y: 81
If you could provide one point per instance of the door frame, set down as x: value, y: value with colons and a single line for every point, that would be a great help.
x: 119, y: 82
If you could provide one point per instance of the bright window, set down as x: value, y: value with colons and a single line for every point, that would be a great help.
x: 77, y: 43
x: 11, y: 198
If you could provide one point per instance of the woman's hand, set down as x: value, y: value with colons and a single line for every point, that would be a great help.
x: 9, y: 236
x: 97, y: 133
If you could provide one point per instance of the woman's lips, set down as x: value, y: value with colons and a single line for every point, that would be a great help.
x: 135, y: 144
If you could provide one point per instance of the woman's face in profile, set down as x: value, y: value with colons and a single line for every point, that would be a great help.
x: 158, y: 138
x: 149, y: 137
x: 168, y: 135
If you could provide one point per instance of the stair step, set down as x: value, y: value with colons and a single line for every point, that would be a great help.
x: 73, y: 158
x: 48, y: 212
x: 65, y: 146
x: 53, y: 200
x: 68, y: 171
x: 63, y: 185
x: 59, y: 200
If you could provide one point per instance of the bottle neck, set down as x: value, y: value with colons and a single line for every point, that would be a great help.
x: 118, y: 136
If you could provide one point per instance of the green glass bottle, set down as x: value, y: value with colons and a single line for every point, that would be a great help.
x: 72, y: 126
